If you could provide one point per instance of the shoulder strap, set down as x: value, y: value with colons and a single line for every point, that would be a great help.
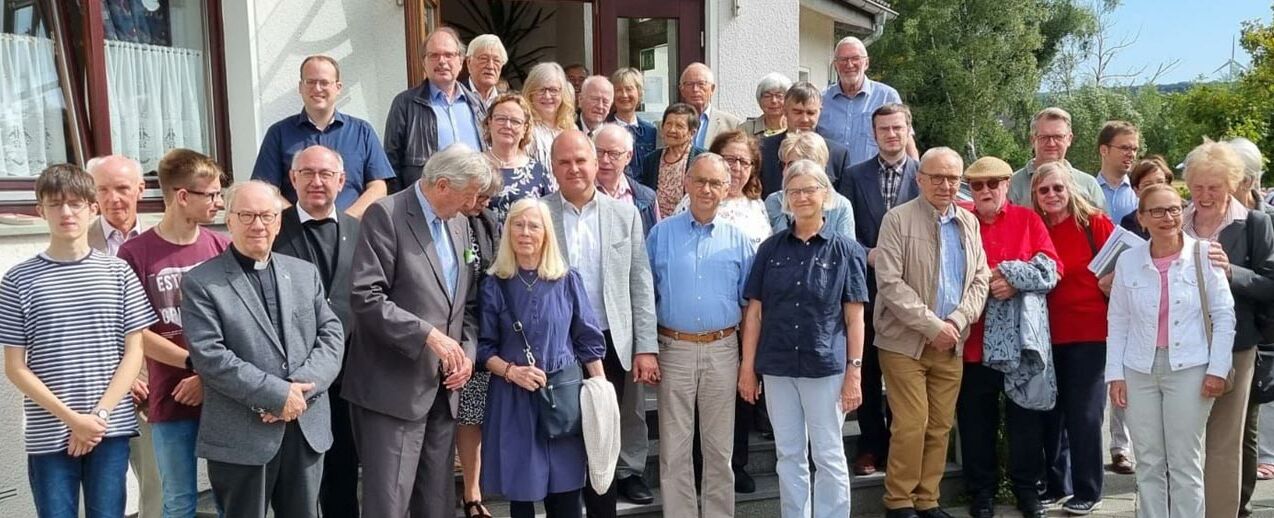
x: 517, y: 323
x: 1088, y: 233
x: 1200, y: 257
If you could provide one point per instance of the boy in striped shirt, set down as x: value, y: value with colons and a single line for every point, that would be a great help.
x: 70, y: 325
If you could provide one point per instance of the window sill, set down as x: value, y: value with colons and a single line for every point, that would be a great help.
x: 39, y: 228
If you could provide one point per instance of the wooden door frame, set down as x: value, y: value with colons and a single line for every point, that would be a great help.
x: 691, y: 38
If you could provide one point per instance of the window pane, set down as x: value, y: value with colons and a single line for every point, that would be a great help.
x: 650, y: 45
x: 156, y: 59
x: 33, y: 124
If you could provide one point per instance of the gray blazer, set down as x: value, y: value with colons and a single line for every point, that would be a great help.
x: 627, y: 288
x: 246, y: 366
x: 397, y: 298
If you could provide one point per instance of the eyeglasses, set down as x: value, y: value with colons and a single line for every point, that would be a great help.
x: 76, y: 206
x: 802, y: 191
x: 614, y: 155
x: 703, y: 182
x: 500, y: 120
x: 773, y: 96
x: 849, y: 59
x: 321, y: 83
x: 977, y: 185
x: 551, y: 91
x: 486, y: 59
x: 1052, y: 139
x: 211, y: 195
x: 1055, y: 188
x: 1128, y: 150
x: 326, y: 175
x: 436, y: 56
x: 734, y: 161
x: 247, y: 218
x: 938, y: 179
x: 695, y: 84
x: 1163, y: 212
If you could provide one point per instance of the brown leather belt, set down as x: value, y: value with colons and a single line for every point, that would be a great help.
x: 698, y: 338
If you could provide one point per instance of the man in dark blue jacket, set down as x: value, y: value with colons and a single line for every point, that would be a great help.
x: 801, y: 106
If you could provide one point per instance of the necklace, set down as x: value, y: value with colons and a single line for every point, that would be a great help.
x: 503, y: 163
x: 529, y: 285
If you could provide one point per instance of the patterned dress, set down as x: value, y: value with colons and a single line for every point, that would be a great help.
x: 671, y: 183
x: 531, y: 180
x: 484, y: 237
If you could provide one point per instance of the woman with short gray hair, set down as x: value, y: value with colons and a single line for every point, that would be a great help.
x: 769, y: 96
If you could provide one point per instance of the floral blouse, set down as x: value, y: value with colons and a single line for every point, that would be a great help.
x: 531, y: 180
x: 670, y: 183
x: 747, y: 214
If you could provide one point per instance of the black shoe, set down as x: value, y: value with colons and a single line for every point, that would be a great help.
x: 982, y: 509
x: 905, y: 512
x: 1077, y: 507
x: 936, y: 512
x: 1032, y: 508
x: 635, y: 490
x: 743, y: 482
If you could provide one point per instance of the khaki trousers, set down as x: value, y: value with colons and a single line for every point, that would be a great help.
x: 141, y: 458
x: 1223, y: 457
x: 704, y: 376
x: 922, y: 396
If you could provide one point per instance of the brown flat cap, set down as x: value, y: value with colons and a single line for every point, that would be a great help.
x: 988, y: 167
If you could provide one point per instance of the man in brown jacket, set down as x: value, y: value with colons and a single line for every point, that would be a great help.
x: 932, y: 278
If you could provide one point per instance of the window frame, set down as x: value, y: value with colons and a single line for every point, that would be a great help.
x: 87, y: 96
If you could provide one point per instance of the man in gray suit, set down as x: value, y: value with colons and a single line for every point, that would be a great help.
x: 267, y: 346
x: 604, y: 240
x: 697, y: 87
x: 414, y: 339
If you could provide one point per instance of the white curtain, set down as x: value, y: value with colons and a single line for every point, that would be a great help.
x: 32, y: 126
x: 157, y: 100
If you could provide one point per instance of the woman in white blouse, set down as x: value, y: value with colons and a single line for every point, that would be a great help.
x: 1162, y: 363
x: 742, y: 207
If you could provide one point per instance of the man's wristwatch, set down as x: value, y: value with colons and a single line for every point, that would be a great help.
x: 103, y: 413
x: 856, y: 363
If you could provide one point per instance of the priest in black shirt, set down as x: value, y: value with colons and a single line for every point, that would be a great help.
x: 315, y: 231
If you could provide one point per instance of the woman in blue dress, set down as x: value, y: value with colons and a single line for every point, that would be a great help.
x: 531, y: 283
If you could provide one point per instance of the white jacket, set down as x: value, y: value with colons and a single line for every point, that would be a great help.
x: 1133, y: 317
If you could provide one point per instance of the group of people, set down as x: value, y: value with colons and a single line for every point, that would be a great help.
x: 380, y: 309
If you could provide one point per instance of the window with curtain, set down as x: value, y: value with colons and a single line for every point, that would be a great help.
x: 33, y: 108
x: 156, y: 63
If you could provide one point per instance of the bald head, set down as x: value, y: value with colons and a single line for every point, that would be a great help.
x: 575, y: 166
x: 941, y: 169
x: 119, y: 184
x: 697, y: 86
x: 317, y: 175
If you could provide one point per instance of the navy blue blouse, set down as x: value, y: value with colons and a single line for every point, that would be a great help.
x: 556, y: 317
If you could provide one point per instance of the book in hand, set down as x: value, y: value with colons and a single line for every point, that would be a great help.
x: 1120, y: 241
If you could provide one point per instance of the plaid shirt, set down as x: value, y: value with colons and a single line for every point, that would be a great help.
x: 891, y: 180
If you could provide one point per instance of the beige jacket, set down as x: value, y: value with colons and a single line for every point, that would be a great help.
x: 907, y: 278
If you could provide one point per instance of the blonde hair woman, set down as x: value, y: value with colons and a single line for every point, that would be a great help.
x: 809, y: 146
x: 552, y: 100
x: 532, y: 306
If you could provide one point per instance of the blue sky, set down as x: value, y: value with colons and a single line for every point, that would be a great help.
x: 1197, y: 32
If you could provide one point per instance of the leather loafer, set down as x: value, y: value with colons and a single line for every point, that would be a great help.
x: 1120, y: 464
x: 635, y: 490
x: 1031, y: 508
x: 905, y: 512
x: 865, y: 464
x: 936, y: 512
x: 982, y: 509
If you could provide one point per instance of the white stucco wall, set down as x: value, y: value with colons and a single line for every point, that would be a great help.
x: 817, y: 39
x: 741, y: 49
x: 12, y: 450
x: 266, y: 40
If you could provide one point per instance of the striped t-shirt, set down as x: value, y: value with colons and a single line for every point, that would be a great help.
x: 71, y: 317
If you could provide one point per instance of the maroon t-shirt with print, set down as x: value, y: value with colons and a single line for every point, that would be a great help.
x: 159, y: 266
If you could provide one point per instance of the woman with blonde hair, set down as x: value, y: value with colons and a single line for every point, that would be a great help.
x: 807, y: 145
x: 535, y: 321
x: 629, y: 90
x: 552, y: 100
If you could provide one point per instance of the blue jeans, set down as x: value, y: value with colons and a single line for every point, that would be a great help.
x: 806, y: 416
x: 56, y: 480
x: 174, y: 443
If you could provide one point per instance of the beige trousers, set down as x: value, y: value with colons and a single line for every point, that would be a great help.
x: 1223, y: 444
x: 706, y: 376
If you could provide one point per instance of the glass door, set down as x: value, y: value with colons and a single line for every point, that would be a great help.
x: 658, y: 37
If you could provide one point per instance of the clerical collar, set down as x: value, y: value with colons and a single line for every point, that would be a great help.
x: 248, y: 263
x: 305, y: 216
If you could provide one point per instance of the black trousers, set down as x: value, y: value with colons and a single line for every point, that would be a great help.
x: 978, y: 416
x: 873, y: 414
x: 288, y: 484
x: 338, y: 493
x: 556, y: 505
x: 1074, y: 427
x: 602, y: 505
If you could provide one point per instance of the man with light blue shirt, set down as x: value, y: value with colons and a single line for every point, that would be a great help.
x: 848, y: 104
x: 438, y: 113
x: 1118, y: 144
x: 699, y: 266
x: 697, y: 87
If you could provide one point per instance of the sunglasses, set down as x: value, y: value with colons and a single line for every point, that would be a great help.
x: 1057, y: 189
x: 977, y: 185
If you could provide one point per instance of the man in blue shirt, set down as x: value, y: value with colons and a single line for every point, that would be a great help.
x: 366, y: 167
x: 697, y: 87
x: 700, y: 265
x: 1118, y: 144
x: 848, y: 104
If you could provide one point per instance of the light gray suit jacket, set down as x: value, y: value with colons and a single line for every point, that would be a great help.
x: 719, y: 121
x: 628, y: 292
x: 97, y: 235
x: 247, y: 367
x: 397, y: 298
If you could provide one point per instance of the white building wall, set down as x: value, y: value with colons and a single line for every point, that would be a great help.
x: 816, y: 40
x: 759, y: 39
x: 12, y: 450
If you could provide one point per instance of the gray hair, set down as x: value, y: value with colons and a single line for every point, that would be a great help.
x: 595, y: 80
x: 627, y: 137
x: 460, y: 165
x: 340, y: 161
x: 494, y: 183
x: 712, y: 76
x: 1052, y: 113
x: 1253, y: 162
x: 97, y: 162
x: 772, y: 81
x: 231, y: 194
x: 487, y: 42
x: 935, y: 153
x: 717, y: 161
x: 803, y: 92
x: 811, y: 169
x: 850, y: 40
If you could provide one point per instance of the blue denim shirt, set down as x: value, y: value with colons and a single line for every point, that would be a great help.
x: 847, y: 119
x: 951, y: 278
x: 352, y: 137
x: 456, y: 121
x: 1120, y: 200
x: 699, y: 272
x: 802, y: 286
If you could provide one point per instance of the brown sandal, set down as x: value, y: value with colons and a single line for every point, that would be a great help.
x: 476, y: 510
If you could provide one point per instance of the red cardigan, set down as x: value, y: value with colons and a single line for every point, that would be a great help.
x: 1077, y: 307
x: 1016, y: 235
